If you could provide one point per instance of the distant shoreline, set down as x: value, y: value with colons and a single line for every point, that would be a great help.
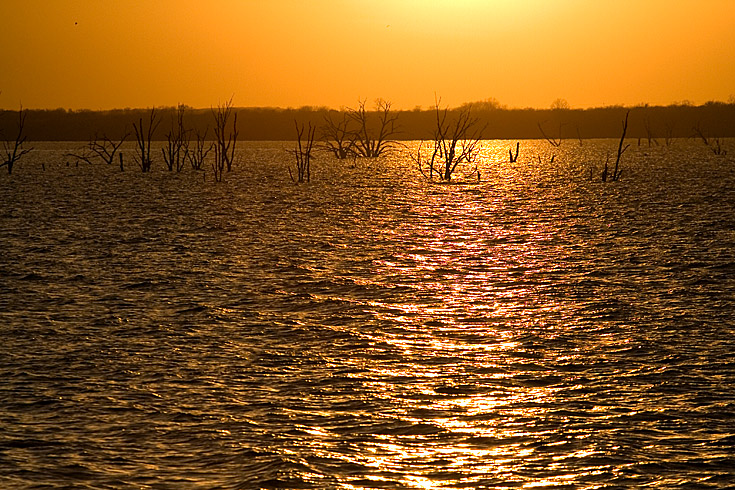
x: 276, y: 124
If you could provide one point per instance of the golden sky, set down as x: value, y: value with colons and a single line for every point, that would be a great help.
x: 102, y: 54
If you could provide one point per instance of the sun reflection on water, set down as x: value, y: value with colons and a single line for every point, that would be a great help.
x: 467, y: 294
x: 372, y: 330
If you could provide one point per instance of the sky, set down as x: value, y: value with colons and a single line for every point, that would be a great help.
x: 106, y: 54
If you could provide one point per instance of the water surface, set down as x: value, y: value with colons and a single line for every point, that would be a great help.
x: 369, y: 329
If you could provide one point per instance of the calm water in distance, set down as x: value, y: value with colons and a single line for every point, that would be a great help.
x: 370, y: 330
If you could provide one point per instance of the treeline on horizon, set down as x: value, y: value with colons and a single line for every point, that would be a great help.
x: 716, y: 119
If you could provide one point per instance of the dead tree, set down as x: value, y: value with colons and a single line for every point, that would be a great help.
x: 303, y: 153
x: 13, y: 151
x: 617, y: 171
x: 102, y: 148
x: 337, y: 136
x: 555, y: 142
x: 84, y: 154
x: 669, y: 133
x: 514, y: 158
x: 456, y: 142
x: 714, y: 144
x: 225, y: 139
x: 368, y: 141
x: 105, y: 148
x: 199, y: 153
x: 143, y: 139
x: 649, y: 132
x: 175, y: 152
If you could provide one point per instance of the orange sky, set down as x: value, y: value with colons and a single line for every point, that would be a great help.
x: 101, y: 54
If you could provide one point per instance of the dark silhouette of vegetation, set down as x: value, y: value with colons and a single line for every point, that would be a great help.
x: 615, y: 176
x: 372, y: 141
x: 176, y: 151
x: 198, y: 154
x: 456, y: 141
x: 713, y: 143
x: 514, y: 158
x: 555, y: 142
x: 102, y: 148
x: 143, y: 139
x: 13, y: 150
x: 649, y: 132
x: 668, y: 133
x: 500, y: 123
x: 84, y: 154
x: 225, y: 139
x: 337, y: 136
x: 302, y: 153
x: 559, y: 104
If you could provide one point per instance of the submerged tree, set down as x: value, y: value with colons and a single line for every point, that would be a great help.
x: 456, y: 141
x: 669, y: 133
x: 373, y: 140
x: 303, y: 153
x: 225, y: 139
x: 201, y: 149
x: 617, y: 171
x: 13, y: 151
x: 555, y: 142
x: 103, y: 148
x: 649, y: 132
x: 514, y: 158
x: 176, y: 151
x: 337, y: 136
x: 143, y: 139
x: 713, y: 143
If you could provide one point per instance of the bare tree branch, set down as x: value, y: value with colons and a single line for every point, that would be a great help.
x: 337, y: 136
x: 366, y: 142
x: 303, y: 153
x: 143, y: 139
x: 555, y: 142
x: 225, y: 142
x: 617, y: 171
x: 13, y: 150
x: 456, y: 142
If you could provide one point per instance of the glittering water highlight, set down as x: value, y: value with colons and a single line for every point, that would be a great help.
x: 370, y: 330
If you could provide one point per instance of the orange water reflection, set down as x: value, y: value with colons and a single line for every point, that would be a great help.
x: 466, y: 298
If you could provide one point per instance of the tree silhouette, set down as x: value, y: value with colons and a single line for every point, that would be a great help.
x: 13, y: 150
x: 456, y: 141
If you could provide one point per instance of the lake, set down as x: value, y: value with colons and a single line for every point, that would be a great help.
x: 370, y: 329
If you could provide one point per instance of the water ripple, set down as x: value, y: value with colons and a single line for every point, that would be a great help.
x: 370, y: 330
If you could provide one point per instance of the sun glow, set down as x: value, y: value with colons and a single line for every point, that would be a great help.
x: 282, y: 53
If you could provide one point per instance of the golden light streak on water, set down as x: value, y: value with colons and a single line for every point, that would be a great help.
x: 371, y: 330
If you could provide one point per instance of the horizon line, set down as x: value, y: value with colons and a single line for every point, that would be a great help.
x: 488, y: 104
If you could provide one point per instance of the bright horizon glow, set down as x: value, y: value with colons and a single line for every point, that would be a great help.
x: 104, y: 54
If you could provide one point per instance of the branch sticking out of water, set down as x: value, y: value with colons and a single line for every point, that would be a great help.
x: 143, y: 137
x: 176, y: 151
x: 199, y: 153
x: 617, y: 171
x: 303, y: 153
x: 514, y: 158
x: 456, y: 141
x: 714, y: 144
x: 370, y: 143
x: 13, y: 150
x: 555, y: 142
x: 103, y: 148
x: 338, y: 137
x: 225, y: 142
